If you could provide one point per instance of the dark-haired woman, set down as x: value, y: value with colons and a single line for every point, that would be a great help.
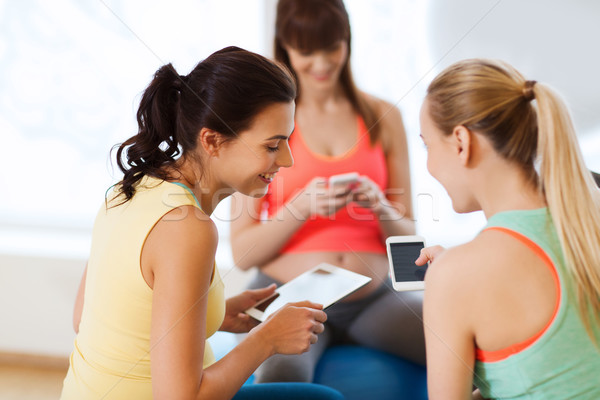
x: 152, y: 294
x: 302, y: 222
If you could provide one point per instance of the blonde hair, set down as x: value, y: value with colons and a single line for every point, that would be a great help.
x: 494, y: 99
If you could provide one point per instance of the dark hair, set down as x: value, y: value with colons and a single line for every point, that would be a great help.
x: 309, y: 25
x: 224, y: 93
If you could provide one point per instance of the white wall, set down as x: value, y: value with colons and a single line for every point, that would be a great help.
x: 37, y: 296
x: 71, y: 74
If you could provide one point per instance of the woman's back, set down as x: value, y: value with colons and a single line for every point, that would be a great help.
x: 112, y: 348
x: 538, y: 366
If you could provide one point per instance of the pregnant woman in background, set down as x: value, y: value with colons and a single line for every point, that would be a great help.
x: 303, y: 222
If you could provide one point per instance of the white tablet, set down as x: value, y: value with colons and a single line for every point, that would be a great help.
x: 402, y: 252
x: 324, y: 284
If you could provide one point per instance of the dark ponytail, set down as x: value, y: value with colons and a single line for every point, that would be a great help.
x: 155, y: 145
x: 222, y: 93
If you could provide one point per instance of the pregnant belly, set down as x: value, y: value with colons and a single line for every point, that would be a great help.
x: 288, y: 266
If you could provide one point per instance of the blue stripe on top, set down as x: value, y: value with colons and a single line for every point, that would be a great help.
x: 189, y: 190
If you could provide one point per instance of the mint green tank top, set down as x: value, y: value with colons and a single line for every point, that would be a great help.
x: 563, y: 362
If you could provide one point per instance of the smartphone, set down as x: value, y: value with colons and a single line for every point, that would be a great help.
x: 344, y: 180
x: 402, y: 253
x: 324, y: 284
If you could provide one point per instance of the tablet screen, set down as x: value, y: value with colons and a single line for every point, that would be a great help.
x: 403, y: 261
x: 321, y: 285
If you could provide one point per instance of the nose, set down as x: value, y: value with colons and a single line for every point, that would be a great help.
x: 321, y: 62
x: 284, y: 157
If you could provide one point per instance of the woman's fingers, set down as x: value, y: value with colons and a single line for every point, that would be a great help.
x: 428, y: 254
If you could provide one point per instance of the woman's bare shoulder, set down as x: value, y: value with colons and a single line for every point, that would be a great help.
x: 382, y: 108
x: 482, y: 264
x: 185, y: 230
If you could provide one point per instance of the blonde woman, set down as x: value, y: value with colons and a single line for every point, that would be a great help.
x: 516, y: 310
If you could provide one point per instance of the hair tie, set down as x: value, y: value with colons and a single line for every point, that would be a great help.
x: 528, y: 92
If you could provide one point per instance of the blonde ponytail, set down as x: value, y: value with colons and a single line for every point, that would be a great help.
x: 573, y: 201
x: 494, y: 99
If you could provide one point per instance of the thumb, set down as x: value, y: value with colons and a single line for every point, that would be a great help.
x: 307, y: 303
x: 423, y: 258
x: 428, y: 254
x: 259, y: 294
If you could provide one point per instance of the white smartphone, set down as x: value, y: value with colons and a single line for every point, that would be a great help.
x: 402, y: 252
x: 324, y: 284
x: 343, y: 179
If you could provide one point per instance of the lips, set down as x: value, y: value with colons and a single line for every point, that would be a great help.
x: 267, y: 177
x: 322, y: 77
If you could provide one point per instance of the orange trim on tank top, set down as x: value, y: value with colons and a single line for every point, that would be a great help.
x: 499, y: 355
x: 361, y: 127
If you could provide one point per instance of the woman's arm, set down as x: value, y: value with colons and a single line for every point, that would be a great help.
x: 291, y: 330
x: 394, y: 207
x: 254, y: 243
x: 179, y: 254
x: 236, y: 321
x: 78, y: 309
x: 449, y: 337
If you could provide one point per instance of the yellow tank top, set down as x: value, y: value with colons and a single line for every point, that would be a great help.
x: 111, y: 356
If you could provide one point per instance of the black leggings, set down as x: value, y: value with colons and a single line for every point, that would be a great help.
x: 385, y: 320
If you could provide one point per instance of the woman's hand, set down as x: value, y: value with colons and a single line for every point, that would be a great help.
x: 236, y: 321
x: 428, y: 254
x: 293, y: 328
x: 367, y: 194
x: 317, y: 198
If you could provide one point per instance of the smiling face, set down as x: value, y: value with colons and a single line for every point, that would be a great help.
x: 249, y: 163
x: 444, y: 163
x: 319, y: 69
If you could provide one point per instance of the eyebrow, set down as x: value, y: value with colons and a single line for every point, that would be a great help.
x: 282, y: 137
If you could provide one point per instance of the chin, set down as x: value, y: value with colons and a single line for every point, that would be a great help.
x: 254, y: 191
x: 257, y: 194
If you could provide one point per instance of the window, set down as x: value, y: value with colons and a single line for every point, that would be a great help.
x: 71, y: 74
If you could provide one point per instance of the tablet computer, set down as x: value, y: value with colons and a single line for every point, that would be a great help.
x: 402, y: 253
x: 324, y: 284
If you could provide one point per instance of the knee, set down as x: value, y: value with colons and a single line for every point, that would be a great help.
x: 282, y: 368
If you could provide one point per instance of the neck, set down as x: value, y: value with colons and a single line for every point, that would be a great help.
x: 321, y: 99
x: 209, y: 196
x: 505, y: 189
x: 204, y: 186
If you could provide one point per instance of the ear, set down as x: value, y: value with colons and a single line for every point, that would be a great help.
x: 210, y: 141
x: 462, y: 138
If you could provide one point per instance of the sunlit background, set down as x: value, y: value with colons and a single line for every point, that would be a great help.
x: 71, y: 74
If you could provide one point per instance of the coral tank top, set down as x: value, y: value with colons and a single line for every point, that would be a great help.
x: 352, y: 228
